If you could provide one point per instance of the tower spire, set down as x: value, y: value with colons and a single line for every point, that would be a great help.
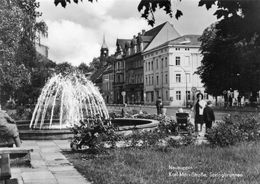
x: 104, y: 45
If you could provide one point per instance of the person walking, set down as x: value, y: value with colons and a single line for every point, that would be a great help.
x: 208, y: 116
x: 8, y: 128
x: 159, y: 105
x: 198, y: 112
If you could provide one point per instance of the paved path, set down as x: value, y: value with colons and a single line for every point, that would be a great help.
x: 49, y: 165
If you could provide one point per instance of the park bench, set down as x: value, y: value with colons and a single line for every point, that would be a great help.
x: 5, y: 170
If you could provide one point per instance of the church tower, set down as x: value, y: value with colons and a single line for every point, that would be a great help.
x: 104, y: 52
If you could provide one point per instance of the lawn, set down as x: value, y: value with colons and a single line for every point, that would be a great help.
x: 192, y: 164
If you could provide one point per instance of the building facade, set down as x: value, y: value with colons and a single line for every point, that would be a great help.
x: 119, y: 70
x: 129, y: 75
x: 169, y: 72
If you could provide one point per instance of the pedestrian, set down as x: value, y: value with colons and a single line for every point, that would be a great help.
x: 208, y: 116
x: 8, y: 128
x: 230, y: 99
x: 239, y: 100
x: 159, y: 105
x: 124, y: 111
x: 198, y: 112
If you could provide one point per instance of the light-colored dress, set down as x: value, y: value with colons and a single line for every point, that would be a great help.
x: 7, y: 125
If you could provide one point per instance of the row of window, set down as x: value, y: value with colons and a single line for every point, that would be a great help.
x: 149, y: 65
x: 134, y: 79
x: 150, y: 95
x: 163, y: 50
x: 150, y: 81
x: 155, y: 53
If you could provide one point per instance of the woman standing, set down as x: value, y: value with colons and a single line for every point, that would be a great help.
x: 198, y: 112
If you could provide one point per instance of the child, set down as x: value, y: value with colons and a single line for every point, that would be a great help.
x: 208, y: 115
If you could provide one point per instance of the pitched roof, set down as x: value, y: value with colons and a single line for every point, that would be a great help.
x: 186, y: 40
x: 153, y: 32
x: 122, y: 42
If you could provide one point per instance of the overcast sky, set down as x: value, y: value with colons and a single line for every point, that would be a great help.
x: 76, y: 32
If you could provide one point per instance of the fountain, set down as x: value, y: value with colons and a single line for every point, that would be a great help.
x: 69, y: 98
x: 64, y: 102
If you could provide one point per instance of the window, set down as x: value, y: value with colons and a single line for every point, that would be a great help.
x: 152, y: 65
x: 177, y: 49
x: 157, y: 80
x: 146, y: 82
x: 157, y: 65
x: 152, y: 80
x: 145, y: 66
x: 149, y: 81
x: 178, y: 60
x: 178, y: 95
x: 187, y: 60
x: 187, y: 48
x: 166, y: 95
x: 157, y: 94
x: 165, y: 62
x: 188, y: 95
x: 178, y: 78
x: 166, y: 78
x: 162, y: 63
x: 149, y: 66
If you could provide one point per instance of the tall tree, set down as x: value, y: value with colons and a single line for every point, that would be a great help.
x: 18, y: 29
x: 231, y: 47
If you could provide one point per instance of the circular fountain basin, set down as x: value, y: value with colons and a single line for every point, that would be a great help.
x: 124, y: 126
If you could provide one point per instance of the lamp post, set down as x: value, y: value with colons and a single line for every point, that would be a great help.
x: 186, y: 86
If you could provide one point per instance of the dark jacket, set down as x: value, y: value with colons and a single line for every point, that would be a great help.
x: 208, y: 114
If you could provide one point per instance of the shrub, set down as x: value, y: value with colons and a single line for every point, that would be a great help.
x: 234, y: 129
x: 98, y: 136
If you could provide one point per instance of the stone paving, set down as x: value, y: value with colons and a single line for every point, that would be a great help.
x: 49, y: 165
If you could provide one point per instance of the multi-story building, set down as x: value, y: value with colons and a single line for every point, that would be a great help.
x: 119, y: 70
x: 169, y: 71
x: 132, y: 60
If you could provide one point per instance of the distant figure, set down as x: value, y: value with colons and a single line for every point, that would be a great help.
x: 140, y: 111
x: 8, y: 128
x: 198, y: 111
x: 208, y: 116
x: 124, y: 112
x: 239, y: 100
x: 159, y: 106
x: 230, y: 100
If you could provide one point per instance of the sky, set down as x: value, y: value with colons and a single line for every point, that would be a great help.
x: 75, y: 33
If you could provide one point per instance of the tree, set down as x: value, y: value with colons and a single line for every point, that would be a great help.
x: 146, y: 7
x: 64, y: 68
x: 18, y: 29
x: 231, y: 48
x: 84, y: 68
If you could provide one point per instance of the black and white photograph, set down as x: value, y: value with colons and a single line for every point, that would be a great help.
x: 129, y: 91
